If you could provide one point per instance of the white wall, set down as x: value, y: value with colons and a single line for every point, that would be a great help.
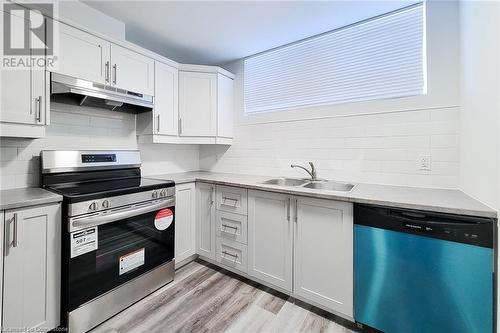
x: 74, y: 11
x: 373, y: 142
x: 74, y: 127
x: 480, y: 116
x: 480, y: 122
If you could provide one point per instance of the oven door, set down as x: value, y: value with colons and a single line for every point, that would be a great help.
x: 112, y: 248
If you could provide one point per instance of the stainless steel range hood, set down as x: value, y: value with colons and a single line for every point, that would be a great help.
x: 69, y: 90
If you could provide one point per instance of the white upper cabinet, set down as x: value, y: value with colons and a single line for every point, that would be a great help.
x: 225, y: 107
x: 166, y: 110
x: 270, y: 238
x: 82, y: 55
x: 22, y: 93
x: 197, y: 104
x: 203, y: 112
x: 88, y: 57
x: 323, y: 268
x: 132, y: 71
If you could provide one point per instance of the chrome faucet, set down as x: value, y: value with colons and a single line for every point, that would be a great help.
x: 312, y: 173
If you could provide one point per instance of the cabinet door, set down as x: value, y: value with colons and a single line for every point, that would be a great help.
x: 32, y: 268
x: 197, y: 104
x: 270, y: 238
x: 323, y: 270
x: 225, y: 106
x: 166, y: 108
x: 185, y: 221
x: 82, y: 55
x: 205, y: 216
x: 132, y: 71
x: 22, y: 91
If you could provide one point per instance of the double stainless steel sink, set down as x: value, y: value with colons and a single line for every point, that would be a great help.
x: 320, y: 184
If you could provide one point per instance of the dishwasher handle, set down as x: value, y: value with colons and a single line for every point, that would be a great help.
x: 471, y: 230
x: 431, y: 219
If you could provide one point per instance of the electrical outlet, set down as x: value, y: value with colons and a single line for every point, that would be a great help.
x: 424, y: 162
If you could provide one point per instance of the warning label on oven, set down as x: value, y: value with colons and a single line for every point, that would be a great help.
x: 131, y: 261
x: 163, y: 219
x: 83, y: 241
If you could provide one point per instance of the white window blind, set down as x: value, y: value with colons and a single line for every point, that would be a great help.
x: 380, y: 58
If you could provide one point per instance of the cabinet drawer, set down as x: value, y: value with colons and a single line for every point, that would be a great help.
x: 232, y: 199
x: 232, y: 226
x: 231, y: 254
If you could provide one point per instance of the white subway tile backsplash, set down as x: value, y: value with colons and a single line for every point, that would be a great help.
x: 8, y: 153
x: 374, y: 148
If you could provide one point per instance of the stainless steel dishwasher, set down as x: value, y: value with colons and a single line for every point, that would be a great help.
x: 423, y: 272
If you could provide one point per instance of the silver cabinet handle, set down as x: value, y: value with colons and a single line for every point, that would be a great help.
x: 38, y: 113
x: 235, y: 256
x: 180, y: 126
x: 235, y: 201
x: 224, y: 226
x: 106, y: 71
x: 211, y: 196
x: 288, y: 204
x: 114, y: 73
x: 158, y: 124
x: 14, y: 236
x: 296, y: 217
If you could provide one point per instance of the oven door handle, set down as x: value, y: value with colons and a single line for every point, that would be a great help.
x: 77, y: 223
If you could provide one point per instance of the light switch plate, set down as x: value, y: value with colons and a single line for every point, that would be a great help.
x: 424, y: 162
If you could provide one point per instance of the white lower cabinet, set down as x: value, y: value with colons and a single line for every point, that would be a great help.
x: 185, y: 222
x: 31, y: 273
x: 205, y: 217
x: 300, y: 245
x: 270, y: 238
x: 232, y: 226
x: 323, y: 253
x: 231, y: 253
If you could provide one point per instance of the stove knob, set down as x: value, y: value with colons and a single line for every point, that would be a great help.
x: 163, y: 193
x: 154, y: 195
x: 105, y: 204
x: 93, y: 206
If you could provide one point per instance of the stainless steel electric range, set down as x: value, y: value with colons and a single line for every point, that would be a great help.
x: 118, y: 232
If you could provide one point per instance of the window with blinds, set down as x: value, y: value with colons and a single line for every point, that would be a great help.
x: 380, y: 58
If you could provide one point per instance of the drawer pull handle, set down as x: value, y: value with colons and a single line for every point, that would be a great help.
x: 235, y: 256
x: 224, y: 226
x: 235, y: 201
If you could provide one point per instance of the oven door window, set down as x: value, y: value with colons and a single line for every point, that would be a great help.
x: 126, y: 249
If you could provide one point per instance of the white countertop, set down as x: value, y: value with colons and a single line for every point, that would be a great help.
x: 25, y: 197
x: 429, y: 199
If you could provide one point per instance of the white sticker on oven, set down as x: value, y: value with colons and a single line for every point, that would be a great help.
x: 164, y: 218
x: 131, y: 261
x: 83, y: 241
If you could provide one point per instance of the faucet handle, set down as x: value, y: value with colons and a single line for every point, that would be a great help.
x: 314, y: 175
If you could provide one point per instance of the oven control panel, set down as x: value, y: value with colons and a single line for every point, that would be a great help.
x: 98, y: 158
x: 96, y: 205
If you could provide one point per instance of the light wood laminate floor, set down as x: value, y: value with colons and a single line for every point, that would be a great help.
x: 206, y: 298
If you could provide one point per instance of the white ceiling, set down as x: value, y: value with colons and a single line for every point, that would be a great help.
x: 217, y: 32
